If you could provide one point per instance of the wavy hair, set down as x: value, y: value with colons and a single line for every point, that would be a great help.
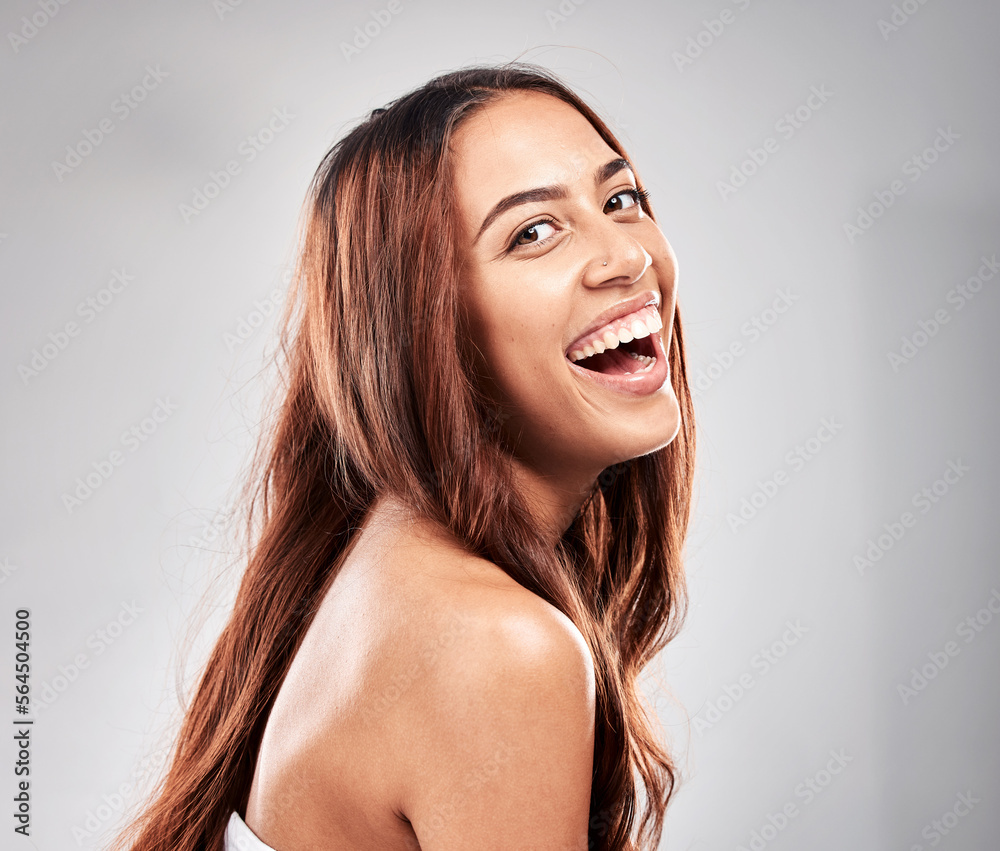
x: 379, y: 395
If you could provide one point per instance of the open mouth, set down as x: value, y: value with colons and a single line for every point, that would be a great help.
x: 627, y: 358
x: 622, y: 347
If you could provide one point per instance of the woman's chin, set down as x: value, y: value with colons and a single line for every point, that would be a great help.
x: 649, y: 433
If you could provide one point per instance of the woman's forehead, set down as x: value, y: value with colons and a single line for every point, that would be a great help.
x: 521, y: 141
x: 515, y: 125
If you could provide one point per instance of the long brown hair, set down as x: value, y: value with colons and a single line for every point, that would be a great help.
x: 378, y: 397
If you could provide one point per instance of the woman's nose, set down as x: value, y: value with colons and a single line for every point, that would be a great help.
x: 615, y: 258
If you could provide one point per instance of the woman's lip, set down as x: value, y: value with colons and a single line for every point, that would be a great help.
x: 638, y: 383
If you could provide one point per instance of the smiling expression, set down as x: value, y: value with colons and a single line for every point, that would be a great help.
x: 567, y: 285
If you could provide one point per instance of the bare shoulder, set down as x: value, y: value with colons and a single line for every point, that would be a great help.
x: 503, y: 628
x: 432, y: 695
x: 480, y: 622
x: 435, y: 589
x: 497, y: 734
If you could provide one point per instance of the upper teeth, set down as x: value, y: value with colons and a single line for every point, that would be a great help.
x: 637, y: 325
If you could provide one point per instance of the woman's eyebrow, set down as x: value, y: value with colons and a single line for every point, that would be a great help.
x: 549, y: 193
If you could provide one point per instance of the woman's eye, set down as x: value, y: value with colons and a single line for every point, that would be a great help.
x: 535, y: 233
x: 615, y: 203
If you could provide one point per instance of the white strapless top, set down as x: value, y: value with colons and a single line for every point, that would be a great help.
x: 239, y: 837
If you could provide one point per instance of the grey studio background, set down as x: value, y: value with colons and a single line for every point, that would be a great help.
x: 827, y: 175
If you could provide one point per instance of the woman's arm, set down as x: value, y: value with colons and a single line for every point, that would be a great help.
x: 502, y: 734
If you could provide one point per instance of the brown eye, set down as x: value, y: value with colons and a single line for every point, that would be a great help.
x: 615, y: 203
x: 532, y: 234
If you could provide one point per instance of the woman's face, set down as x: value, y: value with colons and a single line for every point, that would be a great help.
x: 559, y: 261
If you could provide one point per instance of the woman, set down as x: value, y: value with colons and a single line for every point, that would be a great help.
x: 472, y: 507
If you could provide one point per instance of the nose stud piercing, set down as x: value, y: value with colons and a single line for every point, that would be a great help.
x: 605, y: 262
